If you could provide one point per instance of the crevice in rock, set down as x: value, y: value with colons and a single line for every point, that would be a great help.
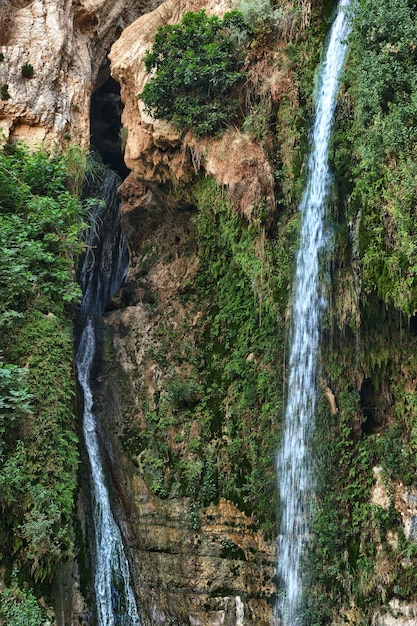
x: 412, y: 324
x: 105, y: 122
x: 373, y: 420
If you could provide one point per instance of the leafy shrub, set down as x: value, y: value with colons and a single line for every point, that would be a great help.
x: 19, y: 607
x: 4, y: 92
x: 41, y: 225
x: 14, y: 400
x: 197, y: 65
x: 27, y: 70
x: 40, y: 228
x: 263, y: 17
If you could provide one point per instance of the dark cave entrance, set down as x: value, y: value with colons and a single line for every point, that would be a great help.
x: 373, y: 409
x: 105, y: 122
x: 413, y: 324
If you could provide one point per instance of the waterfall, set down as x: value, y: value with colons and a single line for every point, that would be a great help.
x: 102, y: 272
x: 294, y: 463
x: 105, y: 262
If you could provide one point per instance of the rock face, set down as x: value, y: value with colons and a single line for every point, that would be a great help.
x: 66, y: 43
x: 202, y: 566
x: 193, y: 563
x: 159, y: 155
x: 206, y: 567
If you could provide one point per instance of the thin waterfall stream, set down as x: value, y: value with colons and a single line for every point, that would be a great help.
x: 101, y: 275
x: 294, y: 462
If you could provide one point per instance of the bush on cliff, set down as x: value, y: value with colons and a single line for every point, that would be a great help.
x: 196, y: 68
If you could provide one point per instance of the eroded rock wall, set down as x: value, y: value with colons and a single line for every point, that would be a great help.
x: 219, y: 589
x: 156, y: 153
x: 193, y: 564
x: 66, y: 42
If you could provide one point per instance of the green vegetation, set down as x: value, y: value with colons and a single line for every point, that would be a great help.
x: 19, y: 606
x: 41, y: 224
x: 377, y: 129
x: 361, y: 558
x: 198, y: 65
x: 40, y: 230
x: 4, y: 92
x: 210, y: 427
x: 27, y: 70
x: 358, y: 555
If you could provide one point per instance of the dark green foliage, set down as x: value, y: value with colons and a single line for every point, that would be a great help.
x: 27, y: 70
x: 15, y: 401
x: 197, y: 65
x: 211, y: 430
x: 37, y: 480
x: 19, y: 607
x: 4, y: 92
x: 376, y: 142
x: 41, y: 224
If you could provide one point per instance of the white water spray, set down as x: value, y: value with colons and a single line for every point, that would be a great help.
x: 115, y: 601
x: 294, y: 463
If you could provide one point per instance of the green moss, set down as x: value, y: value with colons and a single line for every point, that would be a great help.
x: 231, y: 551
x: 375, y: 145
x: 211, y: 428
x: 40, y: 234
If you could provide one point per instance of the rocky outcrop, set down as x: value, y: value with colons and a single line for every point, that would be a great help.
x: 196, y: 565
x: 404, y: 499
x: 396, y: 614
x: 156, y: 153
x: 205, y: 576
x: 66, y: 42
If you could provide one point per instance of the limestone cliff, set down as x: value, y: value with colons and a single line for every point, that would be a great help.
x: 66, y: 43
x: 159, y: 218
x: 192, y: 381
x: 194, y: 563
x: 155, y: 152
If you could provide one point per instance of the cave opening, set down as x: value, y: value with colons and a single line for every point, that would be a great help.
x: 412, y: 324
x: 372, y: 422
x: 105, y: 122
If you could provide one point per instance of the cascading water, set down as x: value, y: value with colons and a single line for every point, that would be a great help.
x: 102, y: 273
x: 106, y: 260
x: 294, y: 463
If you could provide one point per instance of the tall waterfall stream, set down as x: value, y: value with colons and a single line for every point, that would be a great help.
x: 294, y: 462
x: 102, y: 273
